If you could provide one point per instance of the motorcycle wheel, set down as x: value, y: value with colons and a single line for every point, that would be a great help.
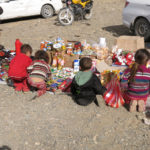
x: 65, y: 17
x: 88, y: 15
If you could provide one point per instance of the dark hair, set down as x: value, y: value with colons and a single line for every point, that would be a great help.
x: 141, y: 58
x: 85, y: 63
x: 26, y: 48
x: 40, y: 54
x: 1, y: 47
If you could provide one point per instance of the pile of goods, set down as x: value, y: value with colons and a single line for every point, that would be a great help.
x: 65, y: 56
x: 120, y: 57
x: 5, y: 58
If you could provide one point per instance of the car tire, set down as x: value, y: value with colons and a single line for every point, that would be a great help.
x: 1, y: 10
x: 47, y: 11
x: 142, y: 28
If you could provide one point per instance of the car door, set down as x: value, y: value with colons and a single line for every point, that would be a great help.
x: 34, y: 7
x: 13, y: 8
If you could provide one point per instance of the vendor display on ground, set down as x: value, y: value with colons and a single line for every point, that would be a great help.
x: 64, y: 60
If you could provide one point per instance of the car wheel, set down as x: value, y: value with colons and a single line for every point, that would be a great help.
x: 1, y: 10
x: 47, y: 11
x: 142, y: 28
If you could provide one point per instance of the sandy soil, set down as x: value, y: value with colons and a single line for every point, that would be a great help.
x: 55, y: 122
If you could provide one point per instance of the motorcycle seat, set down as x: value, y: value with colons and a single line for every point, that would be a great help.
x: 81, y: 2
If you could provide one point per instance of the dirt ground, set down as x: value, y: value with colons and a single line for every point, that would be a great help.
x: 55, y: 122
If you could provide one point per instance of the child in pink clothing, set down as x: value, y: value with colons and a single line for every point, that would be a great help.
x: 136, y: 81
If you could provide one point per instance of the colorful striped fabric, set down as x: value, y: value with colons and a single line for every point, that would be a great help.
x: 140, y: 87
x: 40, y: 69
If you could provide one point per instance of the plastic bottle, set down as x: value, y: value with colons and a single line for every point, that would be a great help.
x: 18, y: 46
x: 60, y: 62
x: 76, y: 65
x: 54, y: 64
x: 102, y: 43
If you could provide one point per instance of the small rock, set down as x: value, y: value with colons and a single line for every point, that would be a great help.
x: 26, y: 143
x: 37, y: 143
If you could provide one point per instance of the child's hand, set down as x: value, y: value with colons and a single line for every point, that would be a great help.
x: 49, y: 78
x: 123, y: 90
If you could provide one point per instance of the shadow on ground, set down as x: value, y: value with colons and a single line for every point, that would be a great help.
x: 5, y: 148
x: 20, y: 19
x: 118, y: 30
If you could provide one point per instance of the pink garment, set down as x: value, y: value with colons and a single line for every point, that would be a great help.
x: 41, y: 86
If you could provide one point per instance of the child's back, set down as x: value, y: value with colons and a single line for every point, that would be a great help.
x: 139, y: 88
x: 136, y: 81
x: 18, y: 66
x: 86, y: 85
x: 39, y: 72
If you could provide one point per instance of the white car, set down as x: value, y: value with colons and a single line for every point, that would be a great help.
x: 22, y: 8
x: 136, y: 16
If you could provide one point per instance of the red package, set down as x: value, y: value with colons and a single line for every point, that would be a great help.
x: 113, y: 96
x: 18, y: 45
x: 66, y: 85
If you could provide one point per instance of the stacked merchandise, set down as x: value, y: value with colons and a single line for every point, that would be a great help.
x: 5, y: 58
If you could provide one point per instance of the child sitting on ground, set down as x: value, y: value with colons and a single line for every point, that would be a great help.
x: 18, y: 68
x: 86, y: 85
x: 136, y: 82
x: 39, y: 72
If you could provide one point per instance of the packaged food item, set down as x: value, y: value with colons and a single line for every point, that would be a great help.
x: 46, y: 42
x: 55, y: 59
x: 108, y: 75
x: 76, y: 65
x: 60, y: 62
x: 57, y: 46
x: 69, y: 50
x: 102, y: 53
x: 42, y: 45
x: 49, y: 46
x: 63, y: 46
x: 65, y: 85
x: 93, y: 68
x: 102, y: 42
x: 95, y: 47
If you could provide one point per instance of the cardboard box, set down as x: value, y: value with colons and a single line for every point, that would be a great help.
x: 69, y: 60
x: 131, y: 43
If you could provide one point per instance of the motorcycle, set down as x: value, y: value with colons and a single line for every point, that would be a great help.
x: 75, y: 10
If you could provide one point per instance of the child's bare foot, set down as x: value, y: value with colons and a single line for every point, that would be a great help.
x: 141, y: 106
x: 25, y: 90
x: 133, y: 105
x: 18, y: 89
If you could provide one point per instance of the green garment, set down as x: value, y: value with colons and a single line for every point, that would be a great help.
x: 82, y: 77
